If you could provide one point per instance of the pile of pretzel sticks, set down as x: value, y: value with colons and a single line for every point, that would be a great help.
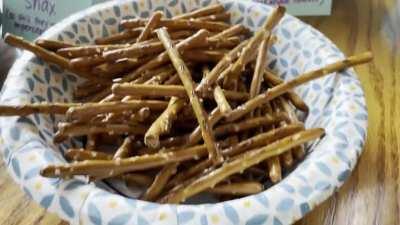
x: 179, y: 106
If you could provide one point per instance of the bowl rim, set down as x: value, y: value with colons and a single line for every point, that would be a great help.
x: 312, y: 201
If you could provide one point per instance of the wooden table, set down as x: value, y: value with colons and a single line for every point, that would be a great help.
x: 371, y: 196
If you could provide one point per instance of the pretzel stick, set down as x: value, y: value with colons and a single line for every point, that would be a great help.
x: 240, y: 188
x: 249, y: 124
x: 136, y: 178
x: 48, y: 56
x: 88, y: 110
x: 299, y: 151
x: 120, y: 166
x: 186, y: 78
x: 80, y: 51
x: 231, y: 31
x: 274, y: 169
x: 81, y: 92
x: 91, y: 142
x: 124, y: 150
x: 120, y: 66
x: 213, y: 43
x: 147, y: 75
x: 221, y: 101
x: 44, y: 108
x: 76, y: 129
x: 163, y: 123
x: 195, y: 136
x: 183, y: 24
x: 153, y: 22
x: 216, y: 17
x: 299, y: 80
x: 210, y: 79
x: 163, y: 58
x: 83, y: 154
x: 159, y: 182
x: 52, y: 45
x: 287, y: 157
x: 229, y: 141
x: 160, y: 78
x: 203, y: 56
x: 140, y: 116
x: 247, y: 52
x: 149, y: 48
x: 246, y: 56
x: 168, y: 90
x: 291, y: 95
x: 247, y: 160
x: 119, y: 37
x: 273, y: 165
x: 251, y: 143
x: 262, y: 139
x: 261, y: 62
x: 173, y: 80
x: 204, y: 11
x: 136, y: 50
x: 86, y: 61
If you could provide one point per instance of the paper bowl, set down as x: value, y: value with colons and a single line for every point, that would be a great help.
x: 336, y: 103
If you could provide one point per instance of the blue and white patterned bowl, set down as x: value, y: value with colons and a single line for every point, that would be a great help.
x: 336, y: 103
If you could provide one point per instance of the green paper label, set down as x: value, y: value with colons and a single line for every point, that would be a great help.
x: 303, y: 7
x: 30, y: 18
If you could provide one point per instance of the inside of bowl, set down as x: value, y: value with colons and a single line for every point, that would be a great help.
x: 298, y: 49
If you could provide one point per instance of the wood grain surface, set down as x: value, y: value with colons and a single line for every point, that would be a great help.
x: 371, y: 196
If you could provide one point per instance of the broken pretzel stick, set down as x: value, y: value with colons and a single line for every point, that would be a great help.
x: 221, y: 101
x: 153, y: 22
x: 299, y: 80
x: 163, y: 123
